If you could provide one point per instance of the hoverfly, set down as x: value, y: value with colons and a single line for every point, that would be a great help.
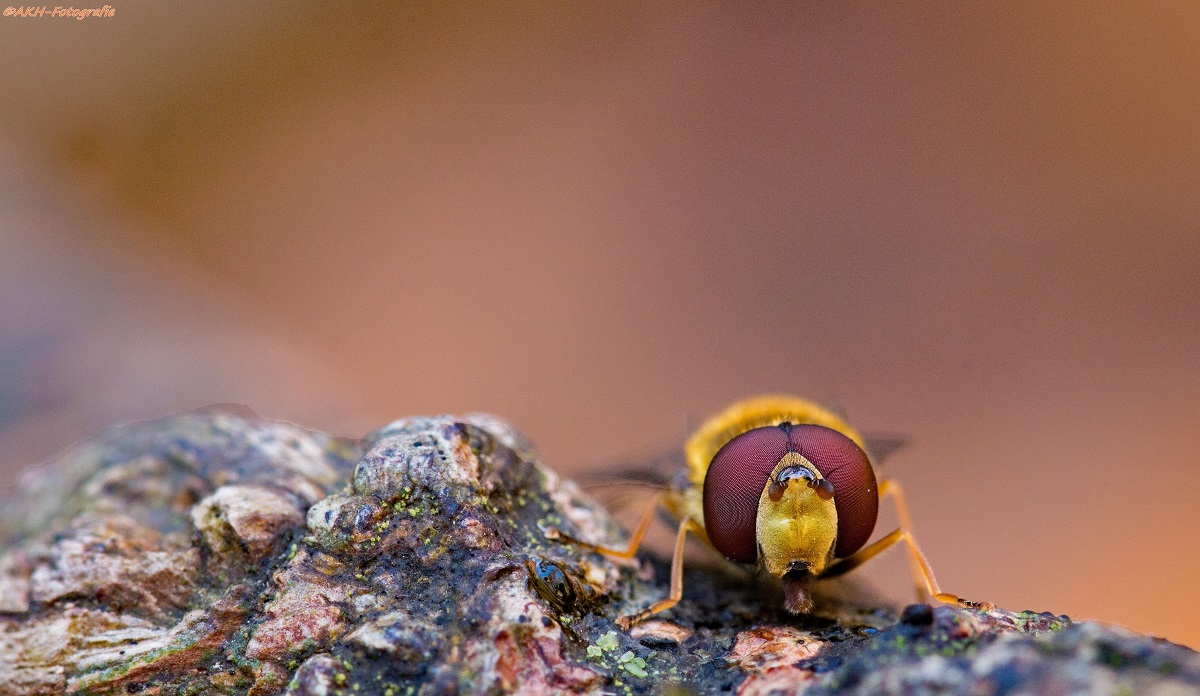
x: 786, y: 485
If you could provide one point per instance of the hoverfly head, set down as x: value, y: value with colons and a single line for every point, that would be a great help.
x: 790, y: 498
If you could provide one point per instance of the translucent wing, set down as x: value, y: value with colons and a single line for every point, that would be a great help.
x: 654, y: 468
x: 881, y: 446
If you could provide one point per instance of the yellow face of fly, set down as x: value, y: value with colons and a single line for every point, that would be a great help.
x: 797, y: 522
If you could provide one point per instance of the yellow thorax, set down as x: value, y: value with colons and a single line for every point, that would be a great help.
x: 754, y: 413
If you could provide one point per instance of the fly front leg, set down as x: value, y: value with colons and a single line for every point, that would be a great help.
x: 891, y: 488
x: 929, y: 582
x: 630, y: 550
x: 625, y: 622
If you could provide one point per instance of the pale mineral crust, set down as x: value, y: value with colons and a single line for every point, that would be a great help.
x: 215, y: 552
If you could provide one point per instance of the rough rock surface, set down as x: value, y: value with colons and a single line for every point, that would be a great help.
x: 218, y: 553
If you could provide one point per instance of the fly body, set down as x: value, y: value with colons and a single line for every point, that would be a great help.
x: 788, y: 486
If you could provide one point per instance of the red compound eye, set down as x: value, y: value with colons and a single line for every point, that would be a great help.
x: 734, y: 482
x: 738, y: 474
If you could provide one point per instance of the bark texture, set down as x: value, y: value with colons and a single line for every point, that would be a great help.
x: 215, y: 552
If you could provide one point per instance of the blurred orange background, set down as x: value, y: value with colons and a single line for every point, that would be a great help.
x: 978, y: 227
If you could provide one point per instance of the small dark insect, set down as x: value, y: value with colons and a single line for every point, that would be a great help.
x: 562, y: 586
x: 786, y: 485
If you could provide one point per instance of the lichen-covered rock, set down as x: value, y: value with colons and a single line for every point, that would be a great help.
x: 218, y: 553
x: 138, y: 562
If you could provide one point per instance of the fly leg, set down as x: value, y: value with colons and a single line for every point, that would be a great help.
x: 630, y: 550
x: 635, y: 540
x: 930, y: 583
x: 891, y: 487
x: 672, y: 599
